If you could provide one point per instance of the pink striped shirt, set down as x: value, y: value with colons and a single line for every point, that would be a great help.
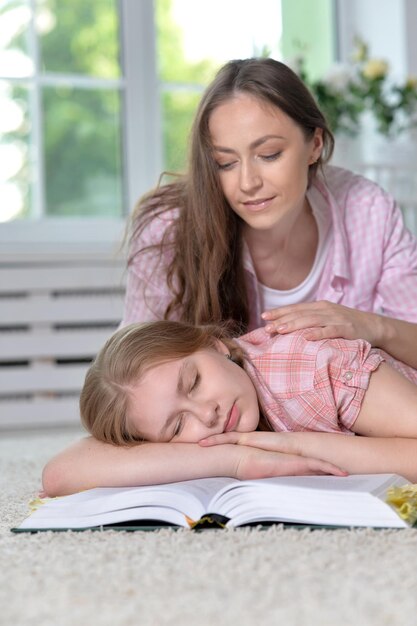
x: 312, y: 385
x: 371, y: 264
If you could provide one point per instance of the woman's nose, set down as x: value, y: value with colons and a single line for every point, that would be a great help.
x: 250, y: 178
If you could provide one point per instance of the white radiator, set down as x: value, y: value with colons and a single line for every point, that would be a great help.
x: 54, y: 316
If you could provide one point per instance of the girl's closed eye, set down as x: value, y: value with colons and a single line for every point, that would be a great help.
x: 180, y: 421
x: 196, y: 382
x: 178, y: 426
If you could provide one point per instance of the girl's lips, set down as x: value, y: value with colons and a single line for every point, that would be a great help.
x: 232, y: 418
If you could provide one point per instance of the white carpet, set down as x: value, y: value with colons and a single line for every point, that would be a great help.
x: 245, y: 577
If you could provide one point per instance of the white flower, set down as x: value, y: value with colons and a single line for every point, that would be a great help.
x: 339, y: 76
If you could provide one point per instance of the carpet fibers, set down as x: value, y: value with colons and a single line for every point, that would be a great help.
x: 240, y: 577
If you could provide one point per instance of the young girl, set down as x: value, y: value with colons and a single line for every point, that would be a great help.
x: 170, y: 382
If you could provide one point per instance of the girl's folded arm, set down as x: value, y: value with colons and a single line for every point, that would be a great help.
x: 90, y: 463
x: 362, y: 455
x: 357, y: 455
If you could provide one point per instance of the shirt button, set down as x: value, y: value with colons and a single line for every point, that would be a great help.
x: 348, y: 375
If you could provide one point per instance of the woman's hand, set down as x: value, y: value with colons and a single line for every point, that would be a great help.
x: 325, y: 320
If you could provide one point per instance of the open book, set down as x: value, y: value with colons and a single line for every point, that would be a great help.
x: 358, y: 500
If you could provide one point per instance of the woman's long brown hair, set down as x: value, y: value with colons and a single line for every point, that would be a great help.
x: 206, y: 275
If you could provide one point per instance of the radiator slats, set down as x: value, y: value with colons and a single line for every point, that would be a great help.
x: 40, y: 343
x: 36, y: 308
x: 39, y: 412
x: 78, y: 275
x: 54, y: 317
x: 42, y: 378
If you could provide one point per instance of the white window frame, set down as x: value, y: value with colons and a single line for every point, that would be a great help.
x: 141, y: 140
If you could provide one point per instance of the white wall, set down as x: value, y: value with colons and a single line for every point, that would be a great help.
x: 388, y: 26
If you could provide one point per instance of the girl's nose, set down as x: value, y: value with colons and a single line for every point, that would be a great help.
x: 207, y: 413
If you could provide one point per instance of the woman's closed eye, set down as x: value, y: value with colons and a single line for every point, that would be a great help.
x: 265, y: 157
x: 271, y: 157
x: 226, y: 166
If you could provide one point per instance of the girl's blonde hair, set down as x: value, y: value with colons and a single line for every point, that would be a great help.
x: 125, y: 358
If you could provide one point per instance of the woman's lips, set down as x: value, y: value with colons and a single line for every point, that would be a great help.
x: 232, y: 418
x: 257, y: 205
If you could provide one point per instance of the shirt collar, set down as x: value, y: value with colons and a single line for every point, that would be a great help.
x: 341, y: 266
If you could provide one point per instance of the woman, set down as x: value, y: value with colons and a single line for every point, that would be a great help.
x: 258, y: 224
x: 260, y: 231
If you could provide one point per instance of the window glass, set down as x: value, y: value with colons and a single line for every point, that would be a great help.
x: 83, y: 169
x: 79, y: 37
x: 15, y: 151
x: 177, y: 111
x: 193, y: 40
x: 15, y: 59
x: 15, y: 147
x: 60, y: 100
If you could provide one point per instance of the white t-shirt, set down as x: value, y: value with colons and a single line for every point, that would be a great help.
x: 306, y: 290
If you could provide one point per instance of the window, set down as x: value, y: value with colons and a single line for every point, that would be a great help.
x: 60, y: 92
x: 97, y: 99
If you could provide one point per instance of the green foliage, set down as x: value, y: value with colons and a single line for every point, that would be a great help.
x: 83, y: 38
x: 82, y: 130
x: 187, y: 78
x: 20, y: 137
x: 82, y: 151
x: 178, y: 111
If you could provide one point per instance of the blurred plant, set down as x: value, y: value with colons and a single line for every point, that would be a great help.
x: 349, y: 90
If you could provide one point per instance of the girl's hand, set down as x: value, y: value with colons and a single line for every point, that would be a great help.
x: 286, y: 442
x: 325, y: 320
x: 255, y: 463
x: 267, y: 454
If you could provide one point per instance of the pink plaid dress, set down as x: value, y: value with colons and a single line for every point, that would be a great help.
x: 312, y: 385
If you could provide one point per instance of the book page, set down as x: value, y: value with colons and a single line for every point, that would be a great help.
x: 325, y: 500
x: 162, y: 514
x: 91, y: 507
